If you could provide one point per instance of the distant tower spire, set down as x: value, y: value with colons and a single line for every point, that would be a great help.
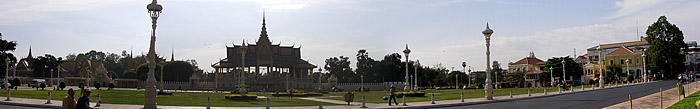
x: 30, y: 52
x: 532, y: 54
x: 172, y: 55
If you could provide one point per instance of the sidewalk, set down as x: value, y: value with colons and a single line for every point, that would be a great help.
x: 670, y: 97
x: 425, y: 104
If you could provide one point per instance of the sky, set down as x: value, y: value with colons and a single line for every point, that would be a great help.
x: 438, y: 32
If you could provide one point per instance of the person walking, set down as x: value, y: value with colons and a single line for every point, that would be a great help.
x: 69, y: 101
x: 392, y: 95
x: 84, y: 101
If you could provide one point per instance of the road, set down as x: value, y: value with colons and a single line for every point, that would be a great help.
x: 15, y: 107
x: 585, y: 100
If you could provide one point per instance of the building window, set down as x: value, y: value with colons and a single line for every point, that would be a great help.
x: 622, y: 61
x: 611, y: 62
x: 637, y: 60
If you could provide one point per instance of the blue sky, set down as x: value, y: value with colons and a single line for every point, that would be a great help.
x: 437, y: 31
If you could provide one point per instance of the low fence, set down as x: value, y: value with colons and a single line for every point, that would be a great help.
x: 370, y: 86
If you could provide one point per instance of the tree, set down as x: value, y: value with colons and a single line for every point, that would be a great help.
x: 614, y: 73
x: 97, y: 85
x: 497, y: 72
x: 452, y: 75
x: 516, y: 77
x: 43, y: 65
x: 16, y: 82
x: 176, y: 71
x: 665, y: 44
x: 573, y: 69
x: 42, y: 86
x: 6, y: 49
x: 62, y: 85
x: 340, y: 67
x: 367, y: 66
x: 142, y: 71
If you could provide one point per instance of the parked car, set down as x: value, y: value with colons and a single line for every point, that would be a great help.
x: 35, y: 82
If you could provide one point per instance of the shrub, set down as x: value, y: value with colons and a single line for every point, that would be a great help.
x: 111, y: 86
x: 81, y: 85
x: 97, y: 85
x: 241, y: 97
x: 16, y: 82
x: 629, y: 78
x: 42, y: 86
x: 62, y: 85
x: 411, y: 94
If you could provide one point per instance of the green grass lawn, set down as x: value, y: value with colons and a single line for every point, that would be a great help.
x: 177, y: 99
x: 376, y: 97
x: 686, y: 103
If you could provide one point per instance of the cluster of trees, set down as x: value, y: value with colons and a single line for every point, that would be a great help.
x: 118, y: 65
x: 6, y: 49
x: 390, y: 68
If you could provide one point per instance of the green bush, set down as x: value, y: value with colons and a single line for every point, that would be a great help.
x: 16, y: 82
x: 62, y: 85
x: 629, y: 78
x: 411, y: 94
x: 590, y: 81
x: 241, y: 97
x: 81, y: 85
x: 97, y: 85
x: 111, y: 86
x: 42, y: 86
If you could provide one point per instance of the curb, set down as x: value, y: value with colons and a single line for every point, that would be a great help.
x: 496, y: 101
x: 29, y: 105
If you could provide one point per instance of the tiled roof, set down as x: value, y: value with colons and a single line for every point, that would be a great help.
x: 529, y: 60
x: 621, y: 44
x: 621, y: 51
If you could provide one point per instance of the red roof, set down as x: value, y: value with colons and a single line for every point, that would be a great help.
x: 620, y: 51
x: 529, y: 60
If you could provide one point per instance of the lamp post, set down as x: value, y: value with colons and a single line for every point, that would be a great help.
x: 244, y: 49
x: 7, y: 68
x: 627, y: 62
x: 600, y: 67
x: 488, y: 88
x: 563, y: 69
x: 320, y: 75
x: 154, y: 9
x: 406, y: 51
x: 551, y: 72
x: 470, y: 78
x: 464, y: 66
x: 415, y: 79
x: 644, y: 64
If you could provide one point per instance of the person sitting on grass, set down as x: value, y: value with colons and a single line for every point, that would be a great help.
x: 69, y: 101
x: 84, y: 101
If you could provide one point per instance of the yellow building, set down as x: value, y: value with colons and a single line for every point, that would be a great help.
x: 530, y: 66
x: 622, y: 54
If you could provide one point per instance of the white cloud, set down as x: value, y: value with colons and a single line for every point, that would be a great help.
x: 630, y: 7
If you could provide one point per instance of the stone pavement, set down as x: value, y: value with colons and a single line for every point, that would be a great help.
x: 670, y: 97
x: 425, y: 104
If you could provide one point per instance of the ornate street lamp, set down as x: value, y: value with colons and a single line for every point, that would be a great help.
x: 488, y: 89
x: 563, y: 69
x: 244, y: 49
x: 415, y: 80
x: 154, y: 9
x: 464, y: 66
x: 644, y: 64
x: 7, y: 68
x: 551, y: 72
x: 406, y: 51
x: 601, y: 81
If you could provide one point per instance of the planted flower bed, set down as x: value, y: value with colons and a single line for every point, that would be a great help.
x: 241, y: 97
x: 297, y: 94
x: 411, y: 94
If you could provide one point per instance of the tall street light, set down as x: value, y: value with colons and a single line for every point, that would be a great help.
x: 406, y: 51
x: 551, y: 72
x: 464, y: 66
x: 563, y: 68
x: 244, y: 49
x: 415, y: 79
x: 488, y: 89
x: 7, y: 68
x: 154, y: 9
x: 627, y: 62
x: 644, y: 64
x: 600, y: 67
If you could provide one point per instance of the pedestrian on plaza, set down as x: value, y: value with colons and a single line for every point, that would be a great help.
x: 392, y: 95
x: 84, y: 101
x: 69, y: 101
